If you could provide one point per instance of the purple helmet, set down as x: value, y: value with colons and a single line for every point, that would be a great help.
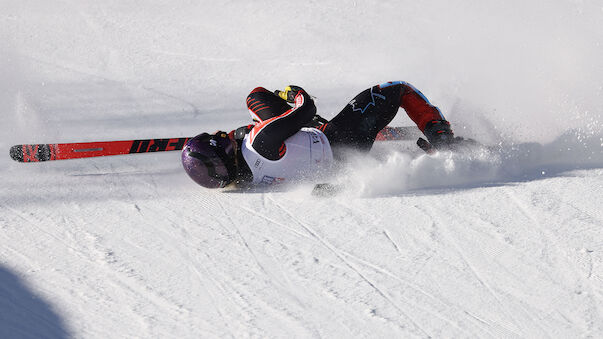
x: 210, y: 159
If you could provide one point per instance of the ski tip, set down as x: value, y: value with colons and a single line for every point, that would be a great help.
x: 31, y: 153
x: 16, y: 153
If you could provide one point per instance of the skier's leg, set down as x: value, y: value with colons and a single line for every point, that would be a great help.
x: 357, y: 125
x: 428, y: 118
x: 416, y: 105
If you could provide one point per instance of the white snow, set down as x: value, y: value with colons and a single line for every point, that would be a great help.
x: 506, y: 243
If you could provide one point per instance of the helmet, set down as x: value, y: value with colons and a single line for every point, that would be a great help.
x: 210, y: 159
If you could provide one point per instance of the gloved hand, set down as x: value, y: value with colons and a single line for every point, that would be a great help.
x: 289, y: 93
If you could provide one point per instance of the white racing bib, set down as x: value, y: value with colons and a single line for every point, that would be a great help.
x: 308, y: 156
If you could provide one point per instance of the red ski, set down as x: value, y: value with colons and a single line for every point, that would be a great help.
x: 46, y: 152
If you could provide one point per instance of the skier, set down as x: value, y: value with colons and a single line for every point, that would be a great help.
x: 286, y: 143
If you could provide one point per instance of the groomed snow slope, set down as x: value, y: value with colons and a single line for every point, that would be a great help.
x: 501, y: 244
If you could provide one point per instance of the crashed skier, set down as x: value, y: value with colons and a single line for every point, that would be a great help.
x: 288, y: 143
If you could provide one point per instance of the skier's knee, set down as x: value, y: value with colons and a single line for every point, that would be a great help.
x: 393, y: 83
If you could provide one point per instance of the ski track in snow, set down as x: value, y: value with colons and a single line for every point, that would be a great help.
x: 500, y: 244
x: 341, y: 257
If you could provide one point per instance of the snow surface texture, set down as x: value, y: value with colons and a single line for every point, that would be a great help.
x: 504, y: 243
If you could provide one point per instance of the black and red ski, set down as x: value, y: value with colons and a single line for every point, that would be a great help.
x: 46, y: 152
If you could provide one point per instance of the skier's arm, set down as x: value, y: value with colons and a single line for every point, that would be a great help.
x: 267, y: 137
x: 263, y: 104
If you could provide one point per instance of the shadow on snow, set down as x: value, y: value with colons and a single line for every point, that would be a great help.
x: 23, y: 313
